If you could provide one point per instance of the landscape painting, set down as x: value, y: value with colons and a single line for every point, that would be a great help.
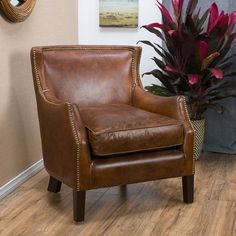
x: 118, y: 13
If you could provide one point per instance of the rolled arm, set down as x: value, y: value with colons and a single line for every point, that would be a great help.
x: 169, y: 106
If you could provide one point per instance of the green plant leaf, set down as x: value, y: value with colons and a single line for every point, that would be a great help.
x: 159, y: 90
x: 190, y: 24
x: 170, y: 44
x: 164, y: 79
x: 154, y: 31
x: 167, y: 55
x: 163, y: 54
x: 218, y: 95
x: 202, y: 20
x: 225, y: 66
x: 224, y: 85
x: 191, y: 6
x: 155, y: 48
x: 217, y: 107
x: 230, y: 74
x: 223, y: 52
x: 228, y: 58
x: 159, y: 63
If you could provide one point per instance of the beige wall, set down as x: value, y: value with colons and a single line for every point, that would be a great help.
x: 52, y: 22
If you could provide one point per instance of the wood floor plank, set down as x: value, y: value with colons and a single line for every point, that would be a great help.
x: 152, y: 208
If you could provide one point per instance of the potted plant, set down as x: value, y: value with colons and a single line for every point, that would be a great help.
x: 193, y: 59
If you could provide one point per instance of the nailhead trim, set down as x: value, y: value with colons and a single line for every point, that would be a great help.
x: 70, y: 113
x: 77, y: 141
x: 36, y: 71
x: 183, y: 100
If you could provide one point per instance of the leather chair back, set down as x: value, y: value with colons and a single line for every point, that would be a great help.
x: 74, y: 74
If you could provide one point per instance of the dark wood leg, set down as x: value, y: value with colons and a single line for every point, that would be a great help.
x: 54, y: 185
x: 79, y: 205
x: 188, y: 188
x: 123, y: 192
x: 123, y: 187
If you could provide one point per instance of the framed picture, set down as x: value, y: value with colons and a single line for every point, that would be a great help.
x: 118, y: 13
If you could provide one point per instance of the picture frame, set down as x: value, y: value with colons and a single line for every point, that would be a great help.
x: 118, y: 13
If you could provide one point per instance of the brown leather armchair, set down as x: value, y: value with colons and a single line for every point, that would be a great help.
x: 99, y: 128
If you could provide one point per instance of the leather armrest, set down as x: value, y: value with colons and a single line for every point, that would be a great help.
x: 64, y: 140
x: 169, y: 106
x: 174, y: 107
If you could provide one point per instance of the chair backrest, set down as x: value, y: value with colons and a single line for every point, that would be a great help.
x: 89, y: 75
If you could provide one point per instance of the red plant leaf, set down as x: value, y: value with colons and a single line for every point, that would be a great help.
x: 177, y: 6
x: 232, y: 21
x: 170, y: 68
x: 203, y: 48
x: 232, y: 37
x: 222, y: 23
x: 214, y: 14
x: 173, y: 33
x: 193, y: 79
x: 156, y: 25
x: 165, y: 12
x: 233, y: 17
x: 223, y: 20
x: 217, y: 73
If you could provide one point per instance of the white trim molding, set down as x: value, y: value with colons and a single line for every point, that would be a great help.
x: 20, y: 179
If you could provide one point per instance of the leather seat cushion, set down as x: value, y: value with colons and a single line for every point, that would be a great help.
x: 121, y: 128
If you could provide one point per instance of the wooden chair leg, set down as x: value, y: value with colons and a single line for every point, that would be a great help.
x: 123, y: 187
x: 54, y: 185
x: 79, y: 205
x: 188, y: 188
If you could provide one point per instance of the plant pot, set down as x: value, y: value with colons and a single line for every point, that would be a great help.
x: 199, y: 131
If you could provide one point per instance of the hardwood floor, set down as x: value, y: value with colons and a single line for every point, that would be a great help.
x: 153, y: 208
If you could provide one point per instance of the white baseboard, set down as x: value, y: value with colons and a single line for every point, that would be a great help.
x: 20, y: 179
